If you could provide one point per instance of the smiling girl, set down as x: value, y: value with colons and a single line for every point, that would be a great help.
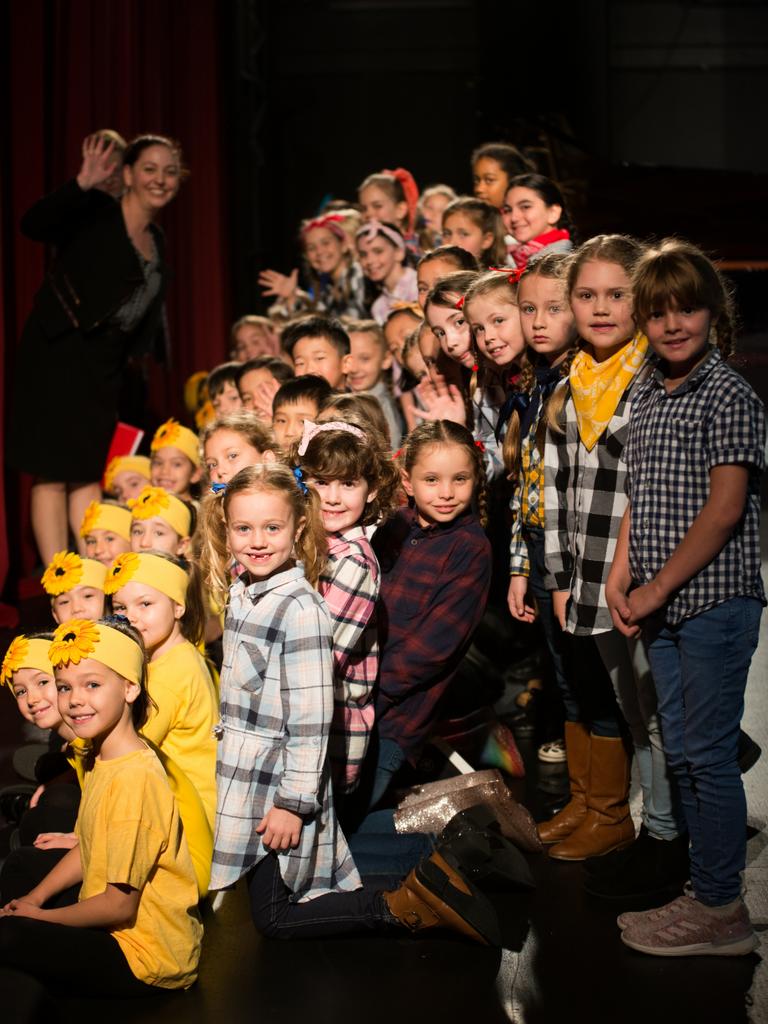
x: 233, y: 442
x: 382, y: 254
x: 534, y: 214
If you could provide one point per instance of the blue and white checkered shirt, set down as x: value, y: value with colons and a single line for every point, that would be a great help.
x: 713, y: 418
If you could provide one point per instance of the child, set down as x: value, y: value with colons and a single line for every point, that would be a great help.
x: 158, y: 598
x: 689, y: 555
x: 585, y: 502
x: 436, y: 570
x: 175, y: 459
x: 358, y: 487
x: 392, y: 197
x: 253, y: 336
x: 445, y: 260
x: 382, y: 252
x: 222, y: 388
x: 492, y: 310
x: 275, y: 821
x: 361, y: 410
x: 445, y: 314
x: 106, y: 530
x: 475, y: 225
x: 125, y: 476
x: 319, y: 345
x: 369, y: 361
x: 494, y: 165
x: 534, y: 214
x: 258, y: 382
x: 75, y: 586
x: 135, y: 925
x: 429, y: 214
x: 297, y: 400
x: 161, y: 522
x: 548, y: 329
x: 413, y: 361
x: 233, y: 442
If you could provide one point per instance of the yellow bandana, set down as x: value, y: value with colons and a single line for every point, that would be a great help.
x: 100, y: 516
x: 26, y: 653
x: 151, y: 570
x: 81, y: 639
x: 157, y: 502
x: 126, y: 463
x: 68, y: 570
x: 597, y: 387
x: 172, y: 435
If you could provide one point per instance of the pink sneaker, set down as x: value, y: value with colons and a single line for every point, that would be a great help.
x: 686, y: 927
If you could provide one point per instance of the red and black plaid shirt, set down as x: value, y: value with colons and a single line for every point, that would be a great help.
x: 434, y: 589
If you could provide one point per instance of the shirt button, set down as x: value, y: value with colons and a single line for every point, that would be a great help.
x: 414, y: 542
x: 646, y: 523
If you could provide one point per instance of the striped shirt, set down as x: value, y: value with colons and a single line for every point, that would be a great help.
x: 713, y: 418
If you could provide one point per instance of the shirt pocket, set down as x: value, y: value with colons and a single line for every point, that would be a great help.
x: 688, y: 438
x: 250, y: 666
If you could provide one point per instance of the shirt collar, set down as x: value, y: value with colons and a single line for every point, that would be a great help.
x: 465, y: 519
x: 339, y: 543
x: 694, y: 380
x: 256, y: 589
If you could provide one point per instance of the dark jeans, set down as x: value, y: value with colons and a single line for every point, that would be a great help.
x: 379, y: 850
x: 84, y: 960
x: 559, y: 700
x: 338, y: 913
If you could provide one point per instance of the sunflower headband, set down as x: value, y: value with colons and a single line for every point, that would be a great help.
x: 172, y: 435
x: 100, y: 516
x: 123, y: 464
x: 26, y: 653
x: 68, y: 570
x: 81, y: 639
x: 156, y: 501
x: 152, y: 571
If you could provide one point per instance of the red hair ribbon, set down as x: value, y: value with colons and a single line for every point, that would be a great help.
x: 332, y: 221
x: 475, y: 367
x: 513, y: 273
x: 459, y: 304
x: 397, y: 454
x: 410, y: 191
x: 479, y: 444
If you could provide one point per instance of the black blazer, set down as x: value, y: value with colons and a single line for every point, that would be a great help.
x: 95, y: 268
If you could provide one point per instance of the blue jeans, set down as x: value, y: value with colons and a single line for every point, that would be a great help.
x: 700, y: 669
x: 379, y: 851
x: 627, y: 665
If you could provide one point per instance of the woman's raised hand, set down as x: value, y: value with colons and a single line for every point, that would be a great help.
x: 281, y: 286
x: 98, y: 161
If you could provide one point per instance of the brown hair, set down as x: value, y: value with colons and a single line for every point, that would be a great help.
x: 362, y: 410
x: 340, y: 455
x: 453, y: 254
x: 371, y: 327
x: 267, y: 477
x: 141, y: 706
x: 676, y: 273
x: 486, y: 217
x: 445, y: 432
x: 255, y: 433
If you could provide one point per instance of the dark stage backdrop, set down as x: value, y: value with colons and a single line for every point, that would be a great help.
x: 70, y: 67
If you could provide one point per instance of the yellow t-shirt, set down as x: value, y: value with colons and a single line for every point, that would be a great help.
x: 130, y: 834
x: 187, y: 710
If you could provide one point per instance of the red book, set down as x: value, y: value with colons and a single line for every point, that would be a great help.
x: 125, y: 441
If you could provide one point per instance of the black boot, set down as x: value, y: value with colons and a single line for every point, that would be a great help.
x: 472, y: 842
x: 650, y: 867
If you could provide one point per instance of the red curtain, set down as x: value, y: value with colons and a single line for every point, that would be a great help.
x: 136, y: 65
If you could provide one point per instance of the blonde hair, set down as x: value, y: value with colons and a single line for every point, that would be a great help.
x: 255, y: 433
x: 675, y: 272
x: 310, y: 544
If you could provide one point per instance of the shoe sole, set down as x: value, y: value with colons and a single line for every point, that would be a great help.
x: 580, y: 860
x: 551, y: 758
x: 741, y: 947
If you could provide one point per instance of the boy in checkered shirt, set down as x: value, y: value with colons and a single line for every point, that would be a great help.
x: 687, y: 570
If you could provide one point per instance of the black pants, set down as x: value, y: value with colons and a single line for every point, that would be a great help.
x: 337, y: 913
x: 83, y: 960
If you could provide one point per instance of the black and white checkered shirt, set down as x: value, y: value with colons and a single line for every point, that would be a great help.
x: 713, y: 418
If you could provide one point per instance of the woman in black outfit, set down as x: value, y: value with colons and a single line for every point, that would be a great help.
x: 101, y: 303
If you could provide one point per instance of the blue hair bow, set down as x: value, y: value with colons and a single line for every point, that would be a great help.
x: 300, y: 481
x: 218, y: 488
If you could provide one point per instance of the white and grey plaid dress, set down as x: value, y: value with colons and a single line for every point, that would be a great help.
x: 276, y: 710
x: 585, y: 497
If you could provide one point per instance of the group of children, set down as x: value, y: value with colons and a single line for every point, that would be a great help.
x: 330, y: 522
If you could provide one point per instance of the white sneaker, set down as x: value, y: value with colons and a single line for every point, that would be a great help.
x: 552, y: 752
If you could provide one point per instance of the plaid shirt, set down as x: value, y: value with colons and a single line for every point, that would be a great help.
x: 713, y: 418
x: 527, y: 503
x: 350, y: 587
x: 585, y: 500
x: 434, y: 590
x: 276, y: 709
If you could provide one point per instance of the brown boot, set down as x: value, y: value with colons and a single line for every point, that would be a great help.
x: 577, y: 749
x: 435, y: 895
x: 607, y: 825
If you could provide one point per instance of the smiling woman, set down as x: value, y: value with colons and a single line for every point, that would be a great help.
x: 100, y: 305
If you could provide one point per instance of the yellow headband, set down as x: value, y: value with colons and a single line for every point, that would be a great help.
x: 80, y: 639
x: 172, y: 435
x: 152, y: 570
x: 68, y: 570
x: 156, y: 501
x: 26, y: 653
x: 124, y: 463
x: 99, y: 516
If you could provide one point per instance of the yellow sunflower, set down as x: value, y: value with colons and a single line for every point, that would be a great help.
x: 121, y: 571
x: 152, y: 501
x: 166, y: 435
x: 90, y: 518
x: 64, y: 572
x: 14, y: 658
x: 73, y: 641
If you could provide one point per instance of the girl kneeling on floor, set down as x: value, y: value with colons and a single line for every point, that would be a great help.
x: 135, y: 927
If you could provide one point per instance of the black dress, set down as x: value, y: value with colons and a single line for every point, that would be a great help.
x: 75, y: 344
